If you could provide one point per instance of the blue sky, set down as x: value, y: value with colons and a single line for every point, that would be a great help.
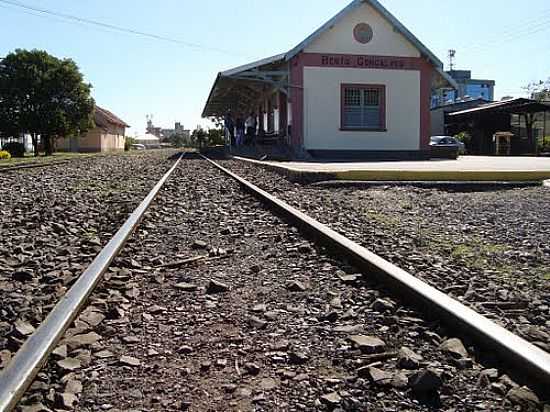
x: 505, y: 40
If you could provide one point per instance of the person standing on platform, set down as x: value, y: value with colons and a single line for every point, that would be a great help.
x: 239, y: 125
x: 250, y: 125
x: 229, y: 128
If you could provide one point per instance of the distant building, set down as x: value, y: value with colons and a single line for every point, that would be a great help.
x: 438, y: 114
x: 178, y: 130
x: 151, y: 129
x: 107, y: 135
x: 468, y: 89
x: 485, y: 121
x: 150, y: 141
x: 165, y: 134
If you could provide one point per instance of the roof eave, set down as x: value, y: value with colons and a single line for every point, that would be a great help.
x: 406, y: 33
x: 238, y: 70
x: 305, y: 43
x: 204, y: 115
x: 253, y: 65
x: 452, y: 82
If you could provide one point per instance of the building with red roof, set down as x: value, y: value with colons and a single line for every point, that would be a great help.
x: 108, y: 135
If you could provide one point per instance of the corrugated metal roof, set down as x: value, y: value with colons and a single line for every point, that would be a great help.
x: 253, y: 65
x: 454, y: 105
x: 518, y: 105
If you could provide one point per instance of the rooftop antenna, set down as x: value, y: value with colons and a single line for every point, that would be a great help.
x: 452, y: 55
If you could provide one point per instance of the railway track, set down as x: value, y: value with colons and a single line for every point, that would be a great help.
x: 31, y: 166
x: 256, y: 286
x: 466, y: 242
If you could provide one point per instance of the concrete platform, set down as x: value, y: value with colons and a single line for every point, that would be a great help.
x: 464, y: 169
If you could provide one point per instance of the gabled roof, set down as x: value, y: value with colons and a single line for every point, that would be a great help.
x: 444, y: 78
x: 104, y: 117
x: 397, y: 25
x: 380, y: 9
x: 335, y: 20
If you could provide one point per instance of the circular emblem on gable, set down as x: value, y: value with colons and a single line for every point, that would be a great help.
x: 363, y: 33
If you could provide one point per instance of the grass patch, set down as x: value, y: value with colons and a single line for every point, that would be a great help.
x: 476, y: 254
x: 106, y: 188
x: 29, y: 159
x: 476, y: 248
x: 382, y: 218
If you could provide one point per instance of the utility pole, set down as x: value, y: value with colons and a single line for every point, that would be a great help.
x: 452, y: 54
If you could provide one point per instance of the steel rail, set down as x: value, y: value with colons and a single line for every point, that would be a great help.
x: 7, y: 169
x: 525, y: 360
x: 22, y: 369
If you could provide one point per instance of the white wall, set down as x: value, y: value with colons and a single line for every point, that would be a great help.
x: 265, y: 120
x: 322, y: 99
x: 385, y: 41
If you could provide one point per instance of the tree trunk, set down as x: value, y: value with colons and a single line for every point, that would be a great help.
x: 48, y: 147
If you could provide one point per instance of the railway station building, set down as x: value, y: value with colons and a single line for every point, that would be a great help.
x: 358, y: 87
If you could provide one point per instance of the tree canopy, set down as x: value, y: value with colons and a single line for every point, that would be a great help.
x: 199, y: 137
x: 43, y: 95
x: 539, y: 90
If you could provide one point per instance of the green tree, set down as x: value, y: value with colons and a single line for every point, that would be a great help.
x: 539, y: 91
x: 215, y: 137
x: 177, y: 139
x: 199, y: 137
x: 43, y: 95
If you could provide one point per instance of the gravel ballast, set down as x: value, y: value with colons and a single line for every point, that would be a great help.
x: 53, y: 221
x: 489, y: 248
x: 216, y: 304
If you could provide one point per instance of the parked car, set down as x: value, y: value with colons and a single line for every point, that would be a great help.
x: 138, y: 146
x: 446, y: 146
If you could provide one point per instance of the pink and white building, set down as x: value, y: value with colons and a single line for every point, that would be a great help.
x: 358, y: 87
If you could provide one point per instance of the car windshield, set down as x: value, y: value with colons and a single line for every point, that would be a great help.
x: 443, y: 140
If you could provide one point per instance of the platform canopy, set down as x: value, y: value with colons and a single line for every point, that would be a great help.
x: 239, y: 89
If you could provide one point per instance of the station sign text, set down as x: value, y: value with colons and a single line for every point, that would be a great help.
x: 368, y: 62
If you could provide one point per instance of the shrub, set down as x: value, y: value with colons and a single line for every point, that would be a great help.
x: 215, y: 137
x: 15, y: 149
x: 128, y: 142
x: 4, y: 155
x: 544, y: 145
x: 464, y: 137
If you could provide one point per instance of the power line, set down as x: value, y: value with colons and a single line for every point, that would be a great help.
x: 528, y: 24
x: 54, y: 18
x: 526, y: 32
x: 50, y: 13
